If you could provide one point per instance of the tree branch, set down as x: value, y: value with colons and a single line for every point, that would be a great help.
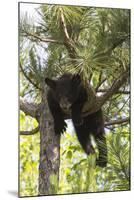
x: 27, y: 77
x: 118, y: 121
x: 32, y: 132
x: 100, y: 83
x: 118, y: 92
x: 114, y: 45
x: 42, y: 39
x: 114, y: 88
x: 29, y: 108
x: 63, y: 24
x: 68, y: 42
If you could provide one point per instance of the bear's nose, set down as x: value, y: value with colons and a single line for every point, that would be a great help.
x: 65, y: 106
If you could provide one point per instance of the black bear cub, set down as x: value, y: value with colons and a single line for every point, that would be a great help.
x: 68, y: 92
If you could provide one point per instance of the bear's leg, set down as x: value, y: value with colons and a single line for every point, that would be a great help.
x: 76, y: 114
x: 85, y: 142
x: 102, y: 147
x: 59, y: 123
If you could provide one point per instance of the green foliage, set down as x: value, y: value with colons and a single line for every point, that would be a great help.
x: 100, y: 37
x: 78, y: 172
x: 29, y: 158
x: 98, y: 32
x: 119, y: 160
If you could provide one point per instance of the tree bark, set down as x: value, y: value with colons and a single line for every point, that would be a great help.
x: 49, y: 152
x: 30, y: 109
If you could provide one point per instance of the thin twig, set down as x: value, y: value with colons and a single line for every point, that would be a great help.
x: 118, y: 121
x: 27, y: 77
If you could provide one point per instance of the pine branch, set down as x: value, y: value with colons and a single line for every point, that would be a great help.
x: 42, y: 39
x: 121, y: 163
x: 100, y: 83
x: 27, y: 77
x: 110, y: 49
x: 115, y: 87
x: 32, y: 132
x: 123, y: 167
x: 63, y: 24
x: 68, y: 42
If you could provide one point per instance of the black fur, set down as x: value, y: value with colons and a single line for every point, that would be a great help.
x: 66, y: 93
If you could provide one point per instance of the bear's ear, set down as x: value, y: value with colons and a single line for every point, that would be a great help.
x: 76, y: 79
x: 51, y: 83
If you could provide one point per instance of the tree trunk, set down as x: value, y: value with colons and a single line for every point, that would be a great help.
x: 49, y: 152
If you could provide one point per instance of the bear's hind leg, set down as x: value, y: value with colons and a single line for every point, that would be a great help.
x: 102, y: 147
x: 85, y: 142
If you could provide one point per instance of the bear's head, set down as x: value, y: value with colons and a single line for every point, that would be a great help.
x: 65, y: 90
